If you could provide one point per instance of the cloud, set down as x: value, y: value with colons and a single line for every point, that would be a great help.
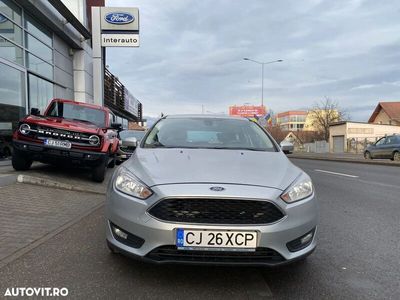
x: 191, y: 54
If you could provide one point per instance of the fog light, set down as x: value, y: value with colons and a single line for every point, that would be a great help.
x: 120, y: 233
x: 305, y: 239
x: 301, y: 242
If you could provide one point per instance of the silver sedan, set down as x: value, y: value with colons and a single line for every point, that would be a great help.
x: 211, y: 190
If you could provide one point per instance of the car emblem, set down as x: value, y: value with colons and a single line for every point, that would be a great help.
x: 119, y: 18
x: 217, y: 188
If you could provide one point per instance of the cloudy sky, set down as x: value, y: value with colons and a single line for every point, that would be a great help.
x: 191, y: 54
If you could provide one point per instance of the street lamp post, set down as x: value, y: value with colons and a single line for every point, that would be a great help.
x: 262, y: 73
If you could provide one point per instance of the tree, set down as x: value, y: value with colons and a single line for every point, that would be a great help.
x: 324, y: 113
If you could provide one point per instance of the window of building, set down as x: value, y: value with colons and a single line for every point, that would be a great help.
x: 11, y: 10
x: 39, y: 66
x: 38, y: 30
x: 40, y: 92
x: 11, y: 52
x: 11, y: 86
x: 38, y: 48
x: 10, y: 30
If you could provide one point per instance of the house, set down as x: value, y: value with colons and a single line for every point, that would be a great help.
x: 386, y: 113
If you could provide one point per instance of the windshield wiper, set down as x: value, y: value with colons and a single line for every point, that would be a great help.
x: 80, y: 120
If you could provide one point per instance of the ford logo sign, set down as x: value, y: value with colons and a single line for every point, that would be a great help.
x: 217, y: 188
x: 119, y: 18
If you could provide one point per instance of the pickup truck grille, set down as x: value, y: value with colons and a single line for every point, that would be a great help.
x: 76, y: 138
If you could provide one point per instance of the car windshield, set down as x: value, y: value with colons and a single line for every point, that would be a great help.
x: 131, y: 133
x: 208, y: 133
x: 78, y: 112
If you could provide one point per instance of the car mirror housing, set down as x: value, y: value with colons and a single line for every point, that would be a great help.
x: 130, y: 142
x: 35, y: 111
x: 116, y: 126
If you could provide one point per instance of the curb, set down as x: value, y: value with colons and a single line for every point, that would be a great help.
x: 366, y: 162
x: 54, y: 184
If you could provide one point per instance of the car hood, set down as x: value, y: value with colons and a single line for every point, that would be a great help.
x: 61, y: 123
x: 174, y: 166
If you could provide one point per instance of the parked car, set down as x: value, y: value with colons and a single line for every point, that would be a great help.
x: 287, y: 147
x: 386, y: 147
x: 5, y: 147
x: 213, y: 190
x: 128, y: 142
x: 69, y: 133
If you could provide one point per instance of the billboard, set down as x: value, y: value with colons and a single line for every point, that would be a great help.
x: 247, y: 111
x: 131, y: 103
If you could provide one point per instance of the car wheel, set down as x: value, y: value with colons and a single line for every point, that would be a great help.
x: 20, y: 162
x: 99, y: 172
x: 396, y: 156
x: 367, y: 155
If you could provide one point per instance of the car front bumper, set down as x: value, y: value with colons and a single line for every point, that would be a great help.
x: 47, y: 154
x: 131, y: 215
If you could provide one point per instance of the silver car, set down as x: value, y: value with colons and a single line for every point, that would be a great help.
x: 212, y: 190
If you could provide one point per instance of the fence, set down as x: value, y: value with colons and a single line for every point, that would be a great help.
x: 357, y: 145
x: 316, y: 147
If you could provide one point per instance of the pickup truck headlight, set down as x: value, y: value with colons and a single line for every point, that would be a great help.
x: 300, y: 189
x: 24, y: 128
x: 127, y: 183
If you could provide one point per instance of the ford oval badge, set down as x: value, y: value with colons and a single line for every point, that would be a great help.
x: 217, y: 188
x: 119, y: 18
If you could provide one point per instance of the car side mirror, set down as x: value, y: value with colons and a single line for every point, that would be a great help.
x: 116, y: 126
x: 35, y: 111
x: 130, y: 142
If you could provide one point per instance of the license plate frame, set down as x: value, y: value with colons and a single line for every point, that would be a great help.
x: 221, y: 240
x: 61, y: 144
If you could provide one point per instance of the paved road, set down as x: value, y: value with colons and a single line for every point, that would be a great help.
x: 358, y: 256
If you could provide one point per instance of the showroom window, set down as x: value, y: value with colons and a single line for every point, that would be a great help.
x: 40, y: 92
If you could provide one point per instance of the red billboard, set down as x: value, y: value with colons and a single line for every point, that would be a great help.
x: 247, y: 111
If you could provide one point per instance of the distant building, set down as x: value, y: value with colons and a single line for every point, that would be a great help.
x: 292, y: 120
x: 386, y: 113
x: 355, y: 136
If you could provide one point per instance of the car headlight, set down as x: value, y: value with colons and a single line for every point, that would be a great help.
x: 24, y: 128
x: 300, y: 189
x: 127, y: 183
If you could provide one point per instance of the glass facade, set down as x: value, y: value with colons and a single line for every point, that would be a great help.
x: 26, y: 65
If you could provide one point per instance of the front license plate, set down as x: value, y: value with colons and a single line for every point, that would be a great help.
x: 224, y: 239
x: 57, y: 143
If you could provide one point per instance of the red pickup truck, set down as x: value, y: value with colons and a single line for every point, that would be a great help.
x: 68, y: 133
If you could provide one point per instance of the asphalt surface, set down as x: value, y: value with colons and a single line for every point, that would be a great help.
x: 358, y: 255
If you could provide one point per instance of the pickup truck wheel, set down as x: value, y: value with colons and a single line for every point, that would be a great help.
x: 99, y: 171
x: 19, y: 162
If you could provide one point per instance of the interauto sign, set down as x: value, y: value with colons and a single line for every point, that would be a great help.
x: 119, y: 18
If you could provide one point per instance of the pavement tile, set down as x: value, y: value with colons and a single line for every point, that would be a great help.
x: 28, y: 212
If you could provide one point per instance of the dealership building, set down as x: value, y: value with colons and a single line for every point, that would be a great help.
x: 45, y: 53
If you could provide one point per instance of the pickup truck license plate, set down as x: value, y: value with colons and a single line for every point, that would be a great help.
x: 192, y: 239
x: 57, y: 143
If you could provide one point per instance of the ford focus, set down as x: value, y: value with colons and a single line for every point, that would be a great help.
x: 213, y: 190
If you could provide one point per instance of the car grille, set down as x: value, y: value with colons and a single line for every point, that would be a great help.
x: 76, y: 138
x: 216, y: 211
x: 172, y: 254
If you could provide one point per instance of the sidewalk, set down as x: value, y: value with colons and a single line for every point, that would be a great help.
x: 343, y: 157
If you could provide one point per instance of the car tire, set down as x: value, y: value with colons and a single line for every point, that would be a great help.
x: 396, y: 156
x: 99, y: 172
x: 20, y: 162
x: 367, y: 155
